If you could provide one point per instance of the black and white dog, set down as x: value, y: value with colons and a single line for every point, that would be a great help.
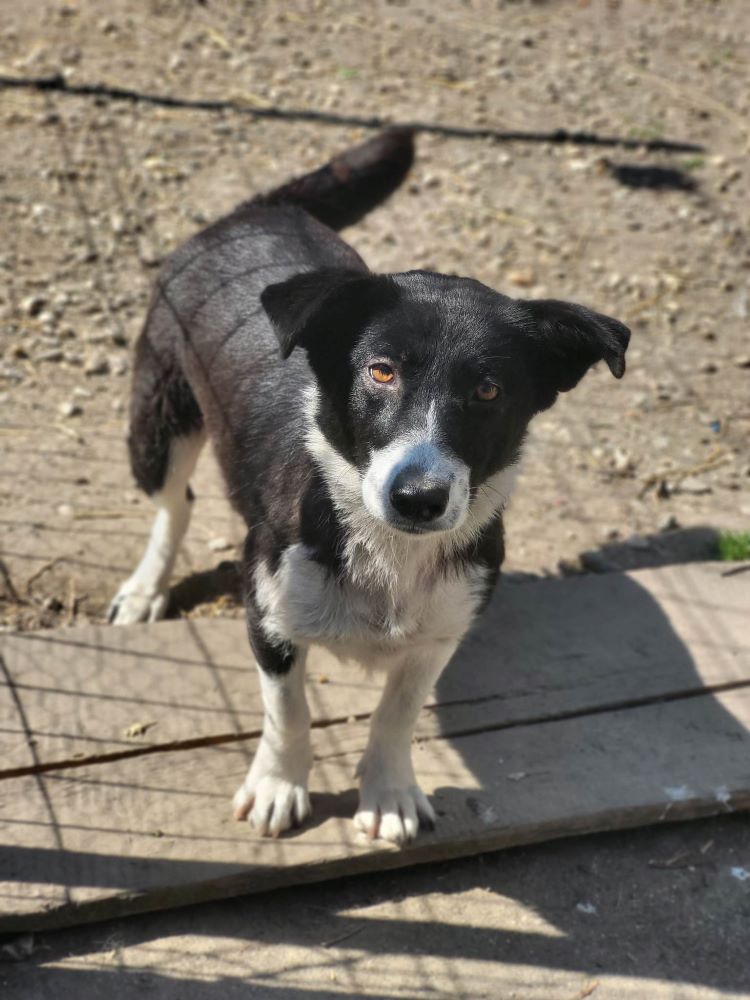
x: 368, y: 427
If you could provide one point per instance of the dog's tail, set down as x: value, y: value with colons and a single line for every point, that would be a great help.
x: 341, y: 192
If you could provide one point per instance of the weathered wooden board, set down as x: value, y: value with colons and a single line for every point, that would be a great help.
x: 156, y: 831
x: 576, y: 705
x: 548, y: 647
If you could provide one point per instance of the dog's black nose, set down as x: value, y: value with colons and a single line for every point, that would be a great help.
x: 418, y: 498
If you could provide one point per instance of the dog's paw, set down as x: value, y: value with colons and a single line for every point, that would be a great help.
x: 393, y: 813
x: 137, y: 603
x: 272, y: 804
x: 273, y: 797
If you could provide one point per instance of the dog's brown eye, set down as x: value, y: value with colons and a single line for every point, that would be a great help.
x: 486, y: 391
x: 382, y: 373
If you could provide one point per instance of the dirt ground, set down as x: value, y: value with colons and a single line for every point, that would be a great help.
x: 94, y: 192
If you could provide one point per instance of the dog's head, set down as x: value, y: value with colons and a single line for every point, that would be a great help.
x: 426, y: 383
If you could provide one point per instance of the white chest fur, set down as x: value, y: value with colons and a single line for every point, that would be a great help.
x: 366, y: 613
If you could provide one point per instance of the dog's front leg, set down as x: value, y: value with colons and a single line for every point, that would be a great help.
x: 391, y: 803
x: 273, y: 796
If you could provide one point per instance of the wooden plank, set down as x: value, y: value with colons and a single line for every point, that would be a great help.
x: 76, y: 693
x: 81, y: 689
x: 542, y: 649
x: 155, y: 831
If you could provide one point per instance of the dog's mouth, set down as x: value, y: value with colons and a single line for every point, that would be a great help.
x: 417, y: 527
x: 414, y: 528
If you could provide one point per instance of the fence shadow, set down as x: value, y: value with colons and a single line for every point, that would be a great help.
x: 621, y: 639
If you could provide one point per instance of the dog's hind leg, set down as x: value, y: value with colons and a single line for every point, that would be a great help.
x: 145, y: 595
x: 166, y: 436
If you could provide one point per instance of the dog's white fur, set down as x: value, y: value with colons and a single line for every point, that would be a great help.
x: 392, y: 609
x: 145, y: 594
x: 274, y: 796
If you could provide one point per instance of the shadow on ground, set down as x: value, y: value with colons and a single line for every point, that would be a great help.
x: 665, y: 903
x: 666, y: 548
x: 652, y: 904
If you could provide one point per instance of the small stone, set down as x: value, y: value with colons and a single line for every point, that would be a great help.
x: 70, y: 409
x: 33, y: 305
x: 668, y: 523
x: 55, y: 354
x: 47, y: 318
x: 743, y: 361
x: 664, y: 490
x: 709, y: 368
x: 11, y: 373
x: 693, y: 486
x: 522, y: 277
x: 117, y: 222
x: 622, y: 463
x: 148, y: 254
x: 97, y: 364
x: 65, y: 510
x: 118, y: 364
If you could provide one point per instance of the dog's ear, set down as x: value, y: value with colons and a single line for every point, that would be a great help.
x: 569, y: 340
x: 300, y: 305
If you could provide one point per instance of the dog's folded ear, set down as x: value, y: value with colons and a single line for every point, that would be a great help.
x: 301, y: 305
x: 570, y: 339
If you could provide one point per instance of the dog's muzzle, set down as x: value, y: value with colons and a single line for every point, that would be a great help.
x: 417, y: 487
x: 417, y: 497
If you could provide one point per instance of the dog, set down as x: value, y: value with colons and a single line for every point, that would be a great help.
x: 368, y: 427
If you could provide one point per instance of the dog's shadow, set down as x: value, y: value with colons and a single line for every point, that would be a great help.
x: 572, y: 737
x: 609, y: 714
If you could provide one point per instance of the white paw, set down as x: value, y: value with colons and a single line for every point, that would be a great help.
x: 393, y: 814
x: 273, y: 797
x: 272, y: 805
x: 136, y: 602
x: 392, y: 806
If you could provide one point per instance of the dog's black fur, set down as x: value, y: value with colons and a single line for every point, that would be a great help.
x: 264, y: 330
